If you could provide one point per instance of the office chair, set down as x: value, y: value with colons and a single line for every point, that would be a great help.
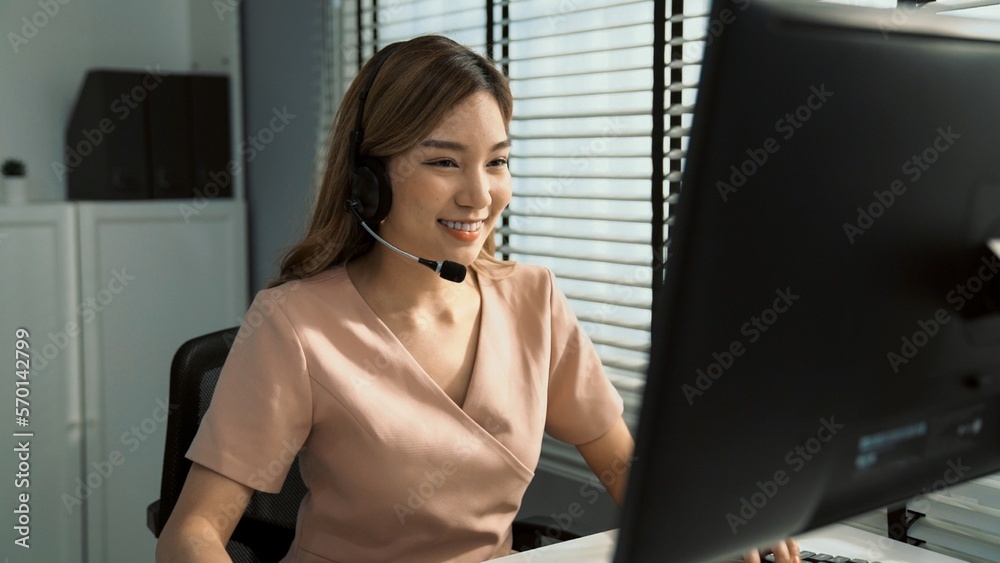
x: 267, y: 527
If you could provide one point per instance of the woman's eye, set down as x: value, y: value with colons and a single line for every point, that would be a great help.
x: 499, y: 162
x: 444, y: 163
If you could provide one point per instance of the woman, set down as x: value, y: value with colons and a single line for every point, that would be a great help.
x: 417, y: 404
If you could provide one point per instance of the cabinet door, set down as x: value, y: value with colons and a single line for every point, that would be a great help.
x: 156, y: 275
x: 38, y: 293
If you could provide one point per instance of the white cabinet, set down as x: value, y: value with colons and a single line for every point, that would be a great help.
x: 39, y: 293
x: 133, y: 281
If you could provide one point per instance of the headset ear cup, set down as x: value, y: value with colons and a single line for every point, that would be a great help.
x: 371, y: 185
x: 365, y: 190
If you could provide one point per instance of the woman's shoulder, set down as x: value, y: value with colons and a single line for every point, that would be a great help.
x: 323, y: 287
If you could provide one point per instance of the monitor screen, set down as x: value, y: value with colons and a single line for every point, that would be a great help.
x: 828, y: 338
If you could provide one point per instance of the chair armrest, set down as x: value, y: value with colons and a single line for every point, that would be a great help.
x: 153, y: 518
x: 269, y: 542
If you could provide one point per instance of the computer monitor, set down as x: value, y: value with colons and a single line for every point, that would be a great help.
x: 828, y: 339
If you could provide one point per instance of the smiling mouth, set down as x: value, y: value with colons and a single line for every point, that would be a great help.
x: 467, y: 227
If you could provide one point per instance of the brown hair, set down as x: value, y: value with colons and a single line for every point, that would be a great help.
x: 418, y: 84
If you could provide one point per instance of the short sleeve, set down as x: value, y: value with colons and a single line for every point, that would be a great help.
x: 261, y: 411
x: 582, y: 402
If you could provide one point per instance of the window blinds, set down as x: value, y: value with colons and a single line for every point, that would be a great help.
x: 582, y: 79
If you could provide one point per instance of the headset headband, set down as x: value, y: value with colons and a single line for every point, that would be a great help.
x: 358, y: 135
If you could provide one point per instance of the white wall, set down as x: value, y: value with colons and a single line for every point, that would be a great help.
x: 64, y: 38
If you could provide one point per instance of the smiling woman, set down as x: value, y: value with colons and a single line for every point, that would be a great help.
x: 397, y: 104
x: 416, y: 404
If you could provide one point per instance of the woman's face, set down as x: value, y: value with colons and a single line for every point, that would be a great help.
x: 449, y: 190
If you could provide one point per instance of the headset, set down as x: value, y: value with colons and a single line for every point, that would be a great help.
x: 371, y: 189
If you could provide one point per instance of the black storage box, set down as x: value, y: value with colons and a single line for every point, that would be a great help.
x: 149, y: 135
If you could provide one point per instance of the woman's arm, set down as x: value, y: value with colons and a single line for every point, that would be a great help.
x: 610, y: 457
x: 204, y: 518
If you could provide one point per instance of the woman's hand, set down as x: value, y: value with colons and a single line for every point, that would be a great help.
x: 784, y: 552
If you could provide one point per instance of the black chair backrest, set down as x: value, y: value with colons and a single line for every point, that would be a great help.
x: 267, y: 527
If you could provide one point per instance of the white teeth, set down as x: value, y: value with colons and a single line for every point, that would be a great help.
x: 468, y: 227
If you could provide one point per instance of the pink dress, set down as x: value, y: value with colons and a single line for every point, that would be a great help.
x: 396, y: 470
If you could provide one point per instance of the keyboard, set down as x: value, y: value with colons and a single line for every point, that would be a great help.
x: 851, y: 545
x: 810, y: 557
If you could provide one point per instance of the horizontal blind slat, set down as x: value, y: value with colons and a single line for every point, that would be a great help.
x: 588, y: 175
x: 587, y: 318
x: 581, y: 196
x: 516, y: 155
x: 631, y: 303
x: 582, y: 114
x: 581, y: 216
x: 570, y: 53
x: 386, y: 13
x: 508, y: 249
x: 579, y: 10
x: 574, y: 236
x: 619, y: 344
x: 563, y: 34
x: 622, y: 134
x: 635, y: 366
x: 596, y: 278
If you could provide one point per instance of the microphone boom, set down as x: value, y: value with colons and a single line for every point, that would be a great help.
x: 451, y: 271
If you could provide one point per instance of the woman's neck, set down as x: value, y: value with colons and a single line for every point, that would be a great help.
x: 394, y: 285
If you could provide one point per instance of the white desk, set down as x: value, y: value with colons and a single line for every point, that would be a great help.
x: 837, y: 539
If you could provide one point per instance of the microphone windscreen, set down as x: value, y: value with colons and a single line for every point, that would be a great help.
x: 452, y: 271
